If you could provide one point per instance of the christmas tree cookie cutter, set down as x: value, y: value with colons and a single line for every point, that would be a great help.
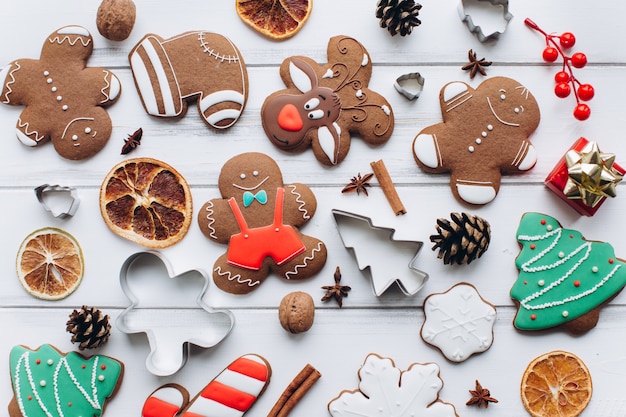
x: 497, y: 11
x: 60, y: 201
x: 154, y: 290
x: 357, y: 233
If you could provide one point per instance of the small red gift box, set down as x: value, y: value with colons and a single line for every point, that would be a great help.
x: 558, y: 178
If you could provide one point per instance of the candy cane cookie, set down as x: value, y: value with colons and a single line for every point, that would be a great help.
x: 230, y: 394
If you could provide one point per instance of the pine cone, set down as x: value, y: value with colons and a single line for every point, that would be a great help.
x: 462, y: 240
x: 89, y: 327
x: 398, y: 16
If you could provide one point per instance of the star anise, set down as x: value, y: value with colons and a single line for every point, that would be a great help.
x: 480, y: 396
x: 475, y: 65
x: 336, y: 291
x: 359, y: 184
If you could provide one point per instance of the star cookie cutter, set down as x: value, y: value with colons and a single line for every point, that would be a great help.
x: 60, y: 201
x: 477, y: 29
x: 375, y: 250
x: 410, y: 85
x: 170, y: 329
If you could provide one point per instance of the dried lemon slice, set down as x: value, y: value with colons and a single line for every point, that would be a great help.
x: 50, y: 264
x: 277, y: 19
x: 146, y: 201
x: 556, y: 384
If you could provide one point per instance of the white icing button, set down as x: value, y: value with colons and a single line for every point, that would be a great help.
x: 54, y: 89
x: 561, y: 255
x: 49, y: 80
x: 502, y: 97
x: 75, y: 137
x: 483, y: 134
x: 100, y: 378
x: 478, y: 141
x: 594, y: 269
x: 46, y: 73
x: 50, y: 362
x: 65, y: 107
x: 565, y: 313
x: 88, y: 130
x: 59, y: 98
x: 471, y: 149
x: 541, y: 283
x: 549, y: 227
x: 42, y: 383
x: 489, y: 127
x: 255, y: 173
x: 245, y: 236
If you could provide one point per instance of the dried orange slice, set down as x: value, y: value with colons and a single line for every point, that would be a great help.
x: 277, y: 19
x: 50, y: 264
x: 146, y: 201
x: 556, y: 384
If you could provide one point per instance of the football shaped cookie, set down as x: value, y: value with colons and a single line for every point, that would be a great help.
x: 64, y: 99
x: 323, y: 104
x: 258, y: 217
x: 484, y: 134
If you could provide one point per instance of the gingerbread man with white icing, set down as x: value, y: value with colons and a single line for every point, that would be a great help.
x: 484, y: 134
x: 64, y: 99
x: 258, y: 217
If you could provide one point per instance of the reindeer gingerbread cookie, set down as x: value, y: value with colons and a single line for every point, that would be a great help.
x: 323, y: 104
x: 484, y: 134
x: 64, y: 100
x: 258, y: 217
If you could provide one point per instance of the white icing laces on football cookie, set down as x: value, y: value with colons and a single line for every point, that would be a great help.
x: 459, y: 322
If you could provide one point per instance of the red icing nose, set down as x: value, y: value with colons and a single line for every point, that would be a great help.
x: 289, y: 118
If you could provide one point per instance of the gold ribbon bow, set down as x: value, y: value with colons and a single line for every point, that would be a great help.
x: 591, y: 175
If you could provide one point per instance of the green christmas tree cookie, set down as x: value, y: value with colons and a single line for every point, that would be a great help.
x: 563, y: 278
x: 49, y: 383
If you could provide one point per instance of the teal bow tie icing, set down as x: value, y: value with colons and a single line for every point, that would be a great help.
x: 248, y: 197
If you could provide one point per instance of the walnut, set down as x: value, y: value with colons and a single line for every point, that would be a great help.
x: 296, y: 312
x: 116, y: 18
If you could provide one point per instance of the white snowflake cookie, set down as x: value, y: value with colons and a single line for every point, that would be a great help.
x: 385, y: 390
x: 459, y: 322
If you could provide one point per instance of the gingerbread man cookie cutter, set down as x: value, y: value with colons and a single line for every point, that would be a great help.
x: 357, y: 232
x: 61, y: 201
x: 202, y: 325
x: 480, y: 32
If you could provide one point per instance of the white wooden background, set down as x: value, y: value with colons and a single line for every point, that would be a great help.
x: 340, y: 339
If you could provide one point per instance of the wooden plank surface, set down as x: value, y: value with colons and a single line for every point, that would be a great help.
x: 340, y: 338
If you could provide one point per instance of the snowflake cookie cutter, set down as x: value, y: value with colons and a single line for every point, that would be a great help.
x: 410, y: 85
x: 355, y: 229
x: 60, y: 201
x: 483, y: 36
x: 169, y: 335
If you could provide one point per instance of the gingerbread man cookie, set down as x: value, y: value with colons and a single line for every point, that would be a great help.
x: 258, y: 217
x: 323, y: 104
x: 64, y: 99
x: 483, y: 135
x: 201, y: 66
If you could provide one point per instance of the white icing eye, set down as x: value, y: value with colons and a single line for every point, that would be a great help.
x: 312, y: 104
x: 255, y: 173
x: 502, y: 96
x: 87, y: 130
x: 75, y: 137
x: 242, y: 176
x: 516, y: 110
x: 316, y: 114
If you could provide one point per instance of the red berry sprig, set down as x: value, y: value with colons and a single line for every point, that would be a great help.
x: 565, y: 80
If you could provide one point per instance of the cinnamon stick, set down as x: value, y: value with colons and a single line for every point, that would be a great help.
x: 384, y: 179
x: 294, y: 392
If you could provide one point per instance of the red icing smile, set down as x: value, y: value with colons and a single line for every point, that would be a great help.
x: 289, y: 118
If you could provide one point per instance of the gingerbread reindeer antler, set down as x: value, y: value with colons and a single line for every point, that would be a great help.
x: 322, y: 105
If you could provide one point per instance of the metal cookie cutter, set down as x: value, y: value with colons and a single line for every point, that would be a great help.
x: 474, y: 28
x: 156, y: 294
x: 66, y: 200
x: 410, y: 85
x: 375, y: 250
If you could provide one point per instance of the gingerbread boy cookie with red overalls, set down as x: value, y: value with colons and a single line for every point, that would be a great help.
x: 484, y: 134
x: 259, y: 218
x: 64, y: 99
